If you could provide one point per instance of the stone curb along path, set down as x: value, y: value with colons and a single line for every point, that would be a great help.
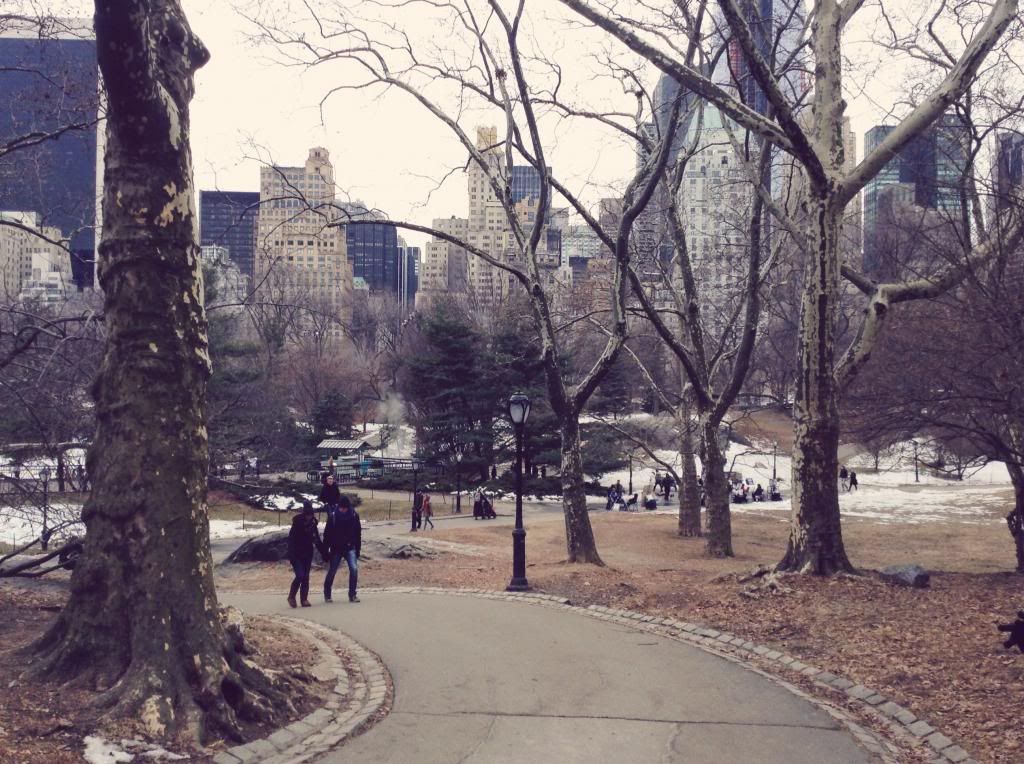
x: 355, y: 702
x: 330, y: 726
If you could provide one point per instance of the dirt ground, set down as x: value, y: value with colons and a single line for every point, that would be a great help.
x: 935, y: 651
x: 46, y: 724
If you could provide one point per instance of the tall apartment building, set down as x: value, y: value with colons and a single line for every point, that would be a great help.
x: 228, y: 219
x: 448, y: 268
x: 444, y: 267
x: 580, y: 241
x: 929, y: 168
x: 1008, y: 171
x: 49, y: 85
x: 31, y: 267
x: 300, y: 243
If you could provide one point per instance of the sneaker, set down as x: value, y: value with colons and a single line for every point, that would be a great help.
x: 305, y: 603
x: 291, y: 601
x: 327, y: 599
x: 354, y: 598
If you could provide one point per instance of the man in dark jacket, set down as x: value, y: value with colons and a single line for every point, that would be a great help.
x: 330, y: 494
x: 303, y: 538
x: 343, y: 537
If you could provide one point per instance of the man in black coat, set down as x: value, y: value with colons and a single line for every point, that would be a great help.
x: 330, y: 494
x: 343, y: 537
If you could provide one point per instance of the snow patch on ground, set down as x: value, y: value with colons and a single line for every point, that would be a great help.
x: 100, y: 751
x: 887, y: 496
x: 280, y: 502
x: 229, y: 529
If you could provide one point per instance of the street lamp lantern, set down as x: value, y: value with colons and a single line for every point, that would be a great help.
x: 518, y: 409
x: 518, y: 413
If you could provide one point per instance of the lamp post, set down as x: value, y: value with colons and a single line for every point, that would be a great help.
x: 518, y: 412
x: 44, y: 538
x: 458, y: 480
x: 775, y: 457
x: 917, y: 477
x: 630, y: 489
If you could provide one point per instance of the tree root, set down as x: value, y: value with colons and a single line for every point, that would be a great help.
x: 213, y: 696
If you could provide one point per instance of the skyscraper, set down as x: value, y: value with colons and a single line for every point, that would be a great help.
x: 300, y: 243
x: 228, y: 219
x: 49, y: 87
x: 408, y: 275
x: 1009, y: 168
x: 374, y: 254
x: 929, y: 169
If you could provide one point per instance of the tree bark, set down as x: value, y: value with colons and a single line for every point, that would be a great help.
x: 581, y: 546
x: 689, y: 491
x: 142, y: 623
x: 1015, y: 520
x: 816, y: 539
x: 716, y: 492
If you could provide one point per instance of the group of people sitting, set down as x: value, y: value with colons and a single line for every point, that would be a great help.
x: 616, y: 499
x: 742, y: 492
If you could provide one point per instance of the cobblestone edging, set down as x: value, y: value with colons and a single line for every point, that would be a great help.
x: 353, y: 702
x: 897, y: 720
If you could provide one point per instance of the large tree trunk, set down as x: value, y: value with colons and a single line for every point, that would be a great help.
x: 689, y: 491
x: 716, y: 492
x: 816, y: 538
x: 1015, y: 520
x: 142, y: 622
x: 579, y: 536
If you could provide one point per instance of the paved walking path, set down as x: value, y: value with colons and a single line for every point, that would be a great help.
x: 490, y: 681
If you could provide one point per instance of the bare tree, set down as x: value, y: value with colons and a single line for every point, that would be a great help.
x: 498, y: 75
x: 816, y: 543
x: 142, y: 617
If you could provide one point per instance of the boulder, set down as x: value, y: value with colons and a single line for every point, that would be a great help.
x: 270, y: 547
x: 273, y: 547
x: 906, y: 575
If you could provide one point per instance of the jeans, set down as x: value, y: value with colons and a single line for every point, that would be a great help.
x: 353, y: 572
x: 300, y: 583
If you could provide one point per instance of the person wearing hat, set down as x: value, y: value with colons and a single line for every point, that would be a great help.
x: 343, y: 537
x: 303, y: 539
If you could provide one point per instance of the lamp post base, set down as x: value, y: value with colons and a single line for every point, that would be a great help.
x: 518, y: 582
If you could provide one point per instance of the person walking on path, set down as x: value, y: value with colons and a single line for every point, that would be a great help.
x: 843, y: 478
x: 343, y: 537
x: 330, y: 494
x: 417, y: 511
x: 853, y: 481
x: 427, y: 511
x: 303, y: 539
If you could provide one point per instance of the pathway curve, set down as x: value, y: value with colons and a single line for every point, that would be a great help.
x: 480, y: 680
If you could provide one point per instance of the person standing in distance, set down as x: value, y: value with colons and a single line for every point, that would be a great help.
x: 343, y: 537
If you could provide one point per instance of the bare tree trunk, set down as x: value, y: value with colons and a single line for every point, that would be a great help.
x: 716, y: 492
x: 816, y: 538
x: 1015, y: 520
x: 689, y: 491
x: 142, y: 622
x: 579, y: 535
